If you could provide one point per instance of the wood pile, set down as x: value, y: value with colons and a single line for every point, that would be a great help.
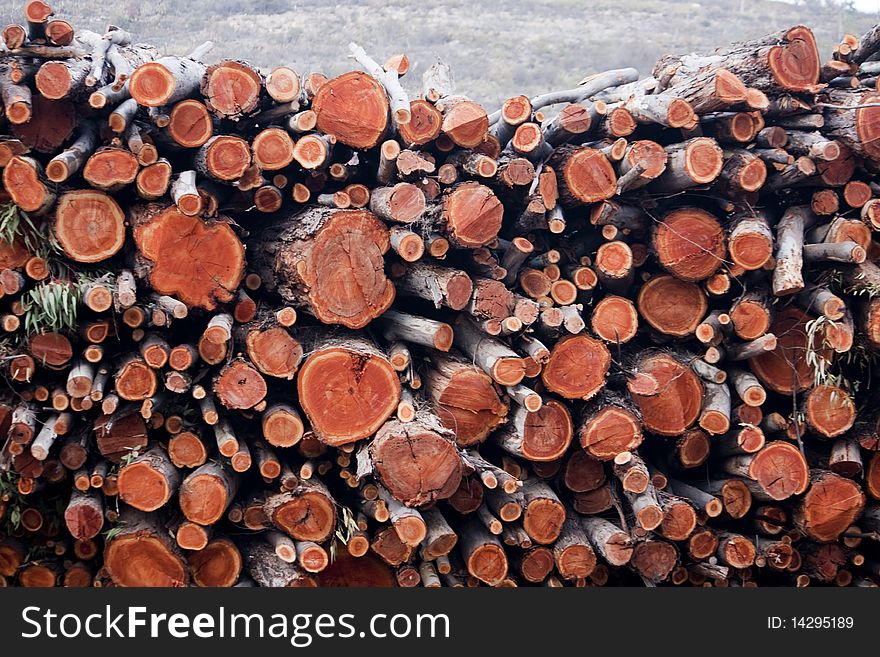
x: 269, y: 328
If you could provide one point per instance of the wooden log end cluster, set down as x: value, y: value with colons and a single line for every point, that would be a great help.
x: 278, y: 329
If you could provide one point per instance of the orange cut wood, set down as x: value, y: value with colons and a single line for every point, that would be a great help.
x: 672, y: 306
x: 52, y: 349
x: 416, y: 461
x: 218, y: 564
x: 690, y: 244
x: 472, y: 214
x: 330, y: 261
x: 143, y: 554
x: 347, y: 389
x: 353, y: 108
x: 274, y: 351
x: 677, y: 404
x: 577, y: 367
x: 786, y: 368
x: 240, y: 386
x: 232, y: 89
x: 610, y: 430
x: 199, y: 262
x: 190, y: 123
x: 89, y: 225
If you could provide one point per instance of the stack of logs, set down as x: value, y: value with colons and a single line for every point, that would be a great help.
x: 282, y: 330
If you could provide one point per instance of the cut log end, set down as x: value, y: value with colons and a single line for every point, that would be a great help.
x: 152, y: 84
x: 611, y: 431
x: 89, y: 225
x: 344, y: 414
x: 577, y: 367
x: 830, y: 506
x: 416, y: 464
x: 190, y: 123
x: 144, y: 559
x: 353, y: 108
x: 216, y: 263
x: 672, y: 306
x: 473, y: 214
x: 781, y: 470
x: 690, y: 244
x: 676, y: 407
x: 795, y: 65
x: 703, y: 160
x: 829, y: 410
x: 218, y: 564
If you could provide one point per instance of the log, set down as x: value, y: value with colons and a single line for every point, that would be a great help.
x: 268, y: 570
x: 149, y: 481
x: 165, y: 81
x: 343, y: 415
x: 232, y: 89
x: 540, y: 436
x: 464, y: 398
x: 829, y: 507
x: 577, y: 367
x: 672, y: 306
x: 676, y: 407
x: 697, y: 161
x: 352, y: 94
x: 785, y: 369
x: 143, y: 554
x: 290, y: 257
x: 584, y: 174
x: 689, y: 244
x: 218, y: 564
x: 785, y: 60
x: 416, y: 461
x: 89, y: 226
x: 161, y: 232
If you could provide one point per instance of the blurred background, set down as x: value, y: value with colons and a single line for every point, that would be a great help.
x: 495, y: 49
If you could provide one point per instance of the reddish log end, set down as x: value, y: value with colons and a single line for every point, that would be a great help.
x: 353, y: 108
x: 89, y: 225
x: 577, y: 367
x: 689, y: 243
x: 214, y: 265
x: 672, y: 306
x: 676, y: 407
x: 473, y: 214
x: 786, y: 368
x: 347, y: 393
x: 780, y: 469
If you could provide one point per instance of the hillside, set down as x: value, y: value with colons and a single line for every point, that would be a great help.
x: 495, y: 49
